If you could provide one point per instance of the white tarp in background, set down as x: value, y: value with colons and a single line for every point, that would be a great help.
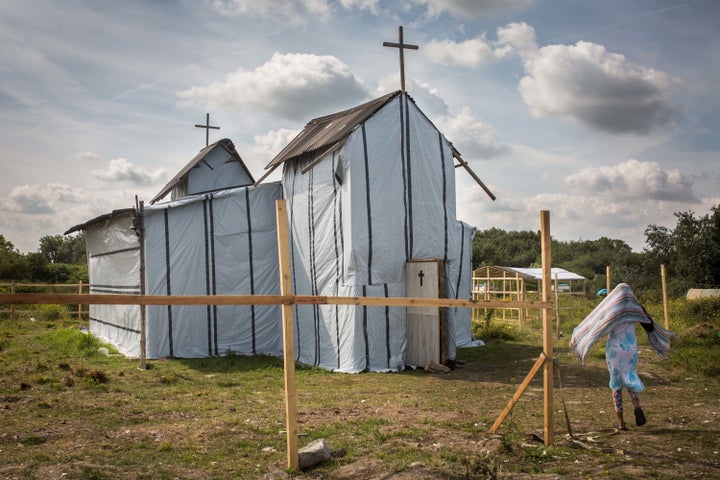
x: 113, y: 254
x: 223, y: 243
x: 356, y: 217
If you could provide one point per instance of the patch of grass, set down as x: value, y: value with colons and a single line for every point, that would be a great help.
x: 222, y: 417
x: 490, y: 330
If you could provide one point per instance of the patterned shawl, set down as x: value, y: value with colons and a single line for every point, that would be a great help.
x: 620, y: 306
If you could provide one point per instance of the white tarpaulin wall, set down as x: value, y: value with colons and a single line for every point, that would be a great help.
x: 223, y: 243
x: 113, y: 254
x: 356, y: 217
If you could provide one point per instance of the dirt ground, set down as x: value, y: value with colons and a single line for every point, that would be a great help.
x: 680, y: 440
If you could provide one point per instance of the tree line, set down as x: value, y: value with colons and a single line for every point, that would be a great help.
x: 60, y: 259
x: 690, y: 253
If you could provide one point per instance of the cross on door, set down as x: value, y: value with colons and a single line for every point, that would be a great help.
x: 421, y: 275
x: 207, y: 128
x: 401, y: 47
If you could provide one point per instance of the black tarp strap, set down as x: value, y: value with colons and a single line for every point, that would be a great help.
x: 252, y: 270
x: 208, y: 308
x: 167, y: 279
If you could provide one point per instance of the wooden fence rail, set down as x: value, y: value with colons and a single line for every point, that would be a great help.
x: 48, y: 286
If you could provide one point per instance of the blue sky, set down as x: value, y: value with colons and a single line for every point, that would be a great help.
x: 605, y: 113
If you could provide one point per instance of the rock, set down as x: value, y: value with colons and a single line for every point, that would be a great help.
x: 313, y: 453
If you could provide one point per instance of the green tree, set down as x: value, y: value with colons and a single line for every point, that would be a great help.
x: 12, y: 262
x: 63, y: 249
x: 690, y: 251
x: 512, y: 249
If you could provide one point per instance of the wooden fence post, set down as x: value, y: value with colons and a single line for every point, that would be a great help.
x: 546, y: 357
x: 548, y: 378
x: 557, y: 306
x: 12, y: 307
x: 288, y: 336
x: 607, y: 279
x: 80, y: 285
x: 143, y: 308
x: 664, y: 293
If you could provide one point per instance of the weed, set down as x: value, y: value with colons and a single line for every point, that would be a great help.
x: 479, y: 467
x: 50, y: 313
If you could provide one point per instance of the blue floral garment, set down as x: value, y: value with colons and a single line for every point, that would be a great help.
x: 621, y: 353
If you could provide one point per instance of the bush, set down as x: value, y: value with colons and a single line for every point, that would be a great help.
x: 488, y: 330
x: 51, y: 313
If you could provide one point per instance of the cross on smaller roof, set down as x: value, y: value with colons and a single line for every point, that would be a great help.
x: 401, y: 47
x: 207, y: 128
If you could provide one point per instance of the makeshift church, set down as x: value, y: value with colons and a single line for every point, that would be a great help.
x: 371, y: 211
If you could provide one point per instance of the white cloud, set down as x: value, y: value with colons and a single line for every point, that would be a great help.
x: 121, y: 170
x: 371, y: 6
x: 294, y: 10
x: 633, y: 179
x: 518, y: 36
x: 42, y: 199
x: 472, y: 137
x: 470, y: 53
x: 293, y: 86
x: 264, y: 149
x: 472, y: 8
x: 600, y: 89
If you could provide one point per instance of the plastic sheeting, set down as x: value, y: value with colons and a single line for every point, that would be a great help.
x: 216, y: 244
x: 113, y: 254
x: 356, y: 218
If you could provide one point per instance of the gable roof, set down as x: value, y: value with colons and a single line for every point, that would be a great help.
x: 225, y: 143
x: 324, y: 134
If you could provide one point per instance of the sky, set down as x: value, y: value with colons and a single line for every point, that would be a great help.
x: 606, y: 113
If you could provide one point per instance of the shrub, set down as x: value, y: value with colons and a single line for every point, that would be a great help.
x: 51, y: 312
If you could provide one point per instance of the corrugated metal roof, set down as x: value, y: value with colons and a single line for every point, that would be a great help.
x: 536, y: 273
x: 324, y: 134
x: 101, y: 218
x: 225, y: 143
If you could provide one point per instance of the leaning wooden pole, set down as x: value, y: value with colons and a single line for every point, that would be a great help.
x: 664, y: 295
x: 288, y: 337
x: 546, y: 357
x: 547, y: 326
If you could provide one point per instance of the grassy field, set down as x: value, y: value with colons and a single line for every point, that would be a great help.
x: 68, y: 411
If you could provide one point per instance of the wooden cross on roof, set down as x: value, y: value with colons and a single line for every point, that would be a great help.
x: 207, y: 128
x: 401, y: 47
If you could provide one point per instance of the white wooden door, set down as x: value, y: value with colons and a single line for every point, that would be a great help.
x: 424, y: 326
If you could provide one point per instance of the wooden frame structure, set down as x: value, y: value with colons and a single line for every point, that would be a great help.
x: 523, y: 285
x: 287, y: 300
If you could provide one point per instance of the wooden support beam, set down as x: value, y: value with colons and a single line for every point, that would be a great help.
x: 111, y: 299
x: 546, y: 257
x: 143, y: 309
x: 466, y: 166
x: 518, y: 393
x: 664, y: 295
x: 288, y: 337
x: 607, y: 279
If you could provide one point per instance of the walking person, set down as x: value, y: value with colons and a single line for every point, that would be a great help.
x: 616, y: 317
